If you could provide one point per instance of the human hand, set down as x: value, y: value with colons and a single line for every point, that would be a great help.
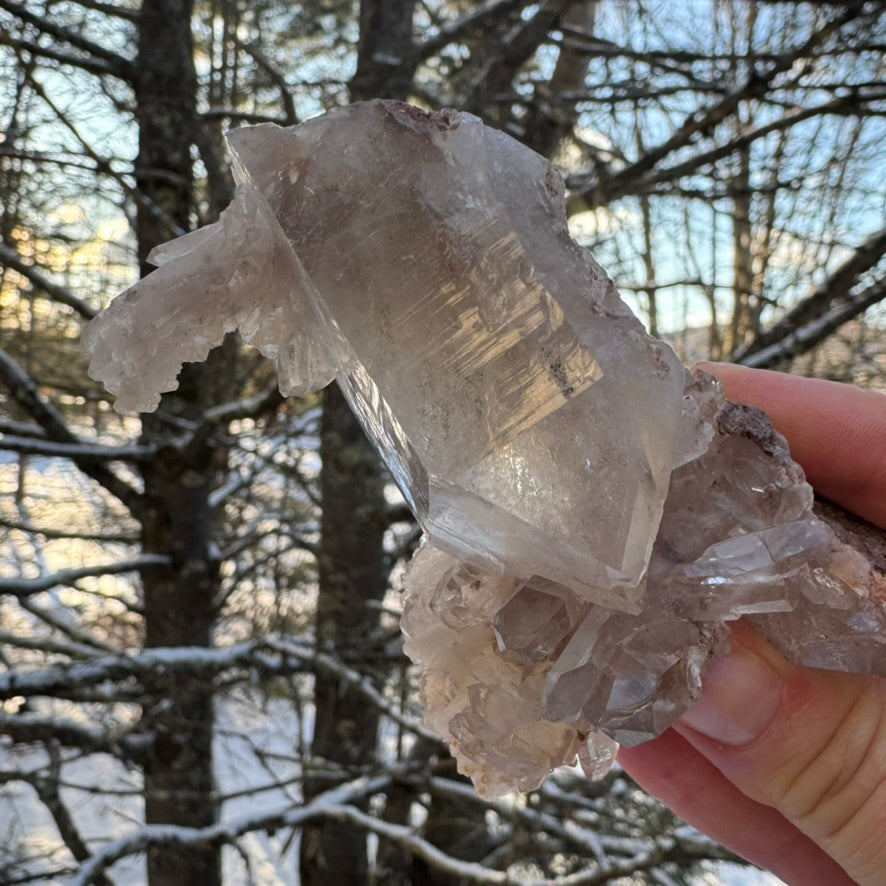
x: 787, y: 765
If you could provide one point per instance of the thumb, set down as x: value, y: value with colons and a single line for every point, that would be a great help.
x: 809, y: 743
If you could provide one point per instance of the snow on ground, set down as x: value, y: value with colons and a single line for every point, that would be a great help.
x: 256, y: 746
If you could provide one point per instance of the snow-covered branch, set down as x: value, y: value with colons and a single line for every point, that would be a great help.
x: 825, y: 308
x: 804, y: 338
x: 28, y: 728
x: 51, y: 645
x: 339, y: 804
x: 33, y: 446
x: 195, y: 661
x: 323, y: 805
x: 364, y: 685
x: 24, y: 391
x: 103, y: 674
x: 573, y: 819
x: 26, y: 587
x: 61, y: 679
x: 332, y: 805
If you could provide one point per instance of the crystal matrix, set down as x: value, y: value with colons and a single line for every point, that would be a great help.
x: 593, y: 513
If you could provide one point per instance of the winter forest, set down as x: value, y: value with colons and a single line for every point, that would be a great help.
x: 201, y: 669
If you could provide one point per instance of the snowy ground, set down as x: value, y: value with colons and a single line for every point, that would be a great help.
x: 255, y: 746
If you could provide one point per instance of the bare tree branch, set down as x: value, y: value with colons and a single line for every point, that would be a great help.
x: 103, y: 165
x: 47, y: 788
x: 24, y: 391
x: 60, y: 294
x: 95, y: 451
x: 130, y: 15
x: 853, y: 102
x: 553, y: 112
x: 498, y: 73
x: 53, y: 617
x: 29, y: 728
x: 227, y: 832
x: 276, y: 76
x: 835, y: 290
x: 21, y: 429
x: 115, y: 64
x: 248, y: 407
x: 670, y: 58
x: 804, y: 338
x: 38, y: 51
x: 364, y: 686
x: 26, y: 587
x: 475, y: 21
x: 701, y: 122
x: 51, y: 532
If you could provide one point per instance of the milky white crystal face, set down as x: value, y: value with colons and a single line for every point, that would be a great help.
x: 594, y: 513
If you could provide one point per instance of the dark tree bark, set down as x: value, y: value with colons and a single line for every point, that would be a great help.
x: 457, y: 826
x: 553, y: 115
x: 385, y: 61
x: 352, y: 573
x: 353, y: 567
x: 745, y: 312
x: 176, y: 517
x: 166, y: 112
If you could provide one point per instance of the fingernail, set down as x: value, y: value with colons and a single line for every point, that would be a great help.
x: 741, y: 693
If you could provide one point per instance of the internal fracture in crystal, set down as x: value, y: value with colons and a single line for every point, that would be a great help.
x: 594, y: 514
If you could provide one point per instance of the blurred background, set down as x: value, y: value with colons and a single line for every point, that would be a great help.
x: 201, y: 675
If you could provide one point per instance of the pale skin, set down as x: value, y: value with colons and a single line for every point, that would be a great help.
x: 787, y: 765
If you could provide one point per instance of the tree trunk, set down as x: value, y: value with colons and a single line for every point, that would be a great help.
x: 457, y: 827
x: 744, y: 312
x: 177, y: 518
x: 353, y: 573
x: 353, y: 567
x: 179, y: 611
x: 552, y: 117
x: 385, y: 67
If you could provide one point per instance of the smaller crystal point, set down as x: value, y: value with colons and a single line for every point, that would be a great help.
x: 450, y: 601
x: 596, y: 755
x: 531, y: 626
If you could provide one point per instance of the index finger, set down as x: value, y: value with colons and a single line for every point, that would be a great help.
x: 836, y: 432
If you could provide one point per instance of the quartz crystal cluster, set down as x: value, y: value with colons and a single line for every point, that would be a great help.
x: 594, y: 514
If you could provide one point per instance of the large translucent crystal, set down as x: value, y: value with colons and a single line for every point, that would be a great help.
x: 593, y: 512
